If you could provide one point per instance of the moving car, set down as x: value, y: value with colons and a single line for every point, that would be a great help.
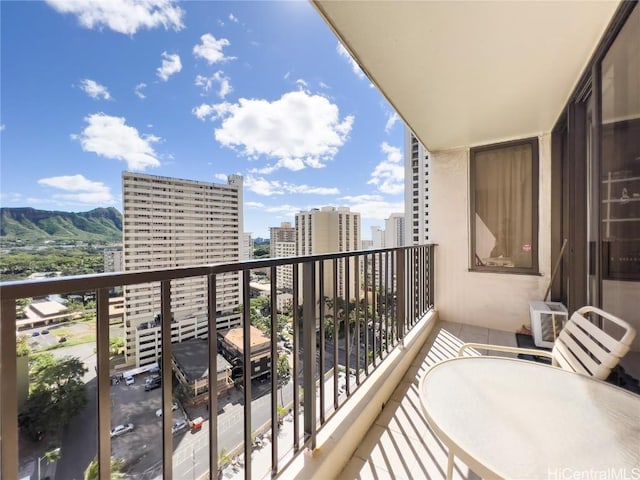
x: 62, y: 339
x: 181, y: 425
x: 121, y: 429
x: 129, y: 380
x: 173, y: 408
x: 151, y: 383
x: 35, y: 334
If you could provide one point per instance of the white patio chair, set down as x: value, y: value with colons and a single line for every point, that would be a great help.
x: 581, y: 347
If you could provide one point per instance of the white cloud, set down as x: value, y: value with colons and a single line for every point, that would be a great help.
x: 391, y: 121
x: 171, y: 64
x: 297, y: 130
x: 80, y: 189
x: 261, y: 186
x: 223, y: 82
x: 286, y: 75
x: 211, y: 49
x: 2, y: 127
x: 233, y: 18
x: 323, y: 85
x: 212, y: 111
x: 94, y: 89
x: 110, y: 137
x: 123, y: 16
x: 354, y: 65
x: 285, y: 210
x: 373, y: 207
x: 138, y: 90
x: 301, y: 83
x: 388, y: 176
x: 223, y: 177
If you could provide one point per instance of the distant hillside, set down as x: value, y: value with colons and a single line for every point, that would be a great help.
x: 29, y: 226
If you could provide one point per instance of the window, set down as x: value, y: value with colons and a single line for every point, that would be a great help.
x: 504, y: 207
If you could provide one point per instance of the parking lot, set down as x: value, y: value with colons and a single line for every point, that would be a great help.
x: 141, y: 449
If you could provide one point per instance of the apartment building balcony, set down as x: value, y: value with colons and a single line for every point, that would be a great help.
x: 363, y: 419
x: 357, y: 344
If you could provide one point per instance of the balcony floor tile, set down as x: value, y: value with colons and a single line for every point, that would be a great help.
x: 400, y: 444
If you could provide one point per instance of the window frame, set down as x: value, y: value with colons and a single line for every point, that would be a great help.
x: 535, y: 195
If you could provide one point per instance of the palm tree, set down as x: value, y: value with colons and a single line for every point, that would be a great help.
x: 91, y: 473
x: 283, y: 370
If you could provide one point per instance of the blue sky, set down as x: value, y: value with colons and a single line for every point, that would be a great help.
x: 195, y: 90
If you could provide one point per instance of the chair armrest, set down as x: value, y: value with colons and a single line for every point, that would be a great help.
x: 503, y: 348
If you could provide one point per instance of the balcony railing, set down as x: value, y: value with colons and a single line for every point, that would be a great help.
x: 393, y: 289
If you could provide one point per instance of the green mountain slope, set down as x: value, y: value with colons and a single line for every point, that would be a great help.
x: 28, y: 225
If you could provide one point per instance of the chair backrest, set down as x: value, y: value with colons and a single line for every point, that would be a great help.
x: 585, y: 348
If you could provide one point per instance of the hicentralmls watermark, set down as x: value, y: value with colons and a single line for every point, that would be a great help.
x: 567, y: 473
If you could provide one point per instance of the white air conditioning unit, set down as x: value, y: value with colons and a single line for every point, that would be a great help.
x: 547, y: 320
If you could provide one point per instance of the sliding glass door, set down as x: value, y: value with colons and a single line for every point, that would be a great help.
x: 620, y: 172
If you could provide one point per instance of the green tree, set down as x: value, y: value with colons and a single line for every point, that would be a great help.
x: 57, y: 395
x: 224, y: 459
x: 92, y: 471
x: 22, y: 347
x: 116, y: 345
x: 21, y: 306
x: 283, y: 370
x: 184, y: 393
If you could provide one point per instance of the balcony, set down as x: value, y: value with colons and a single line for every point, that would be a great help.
x: 386, y: 328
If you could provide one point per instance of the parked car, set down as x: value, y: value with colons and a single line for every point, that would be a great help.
x: 44, y: 332
x: 181, y: 425
x: 174, y: 407
x: 62, y: 339
x: 122, y: 429
x: 35, y: 334
x: 129, y: 380
x: 151, y: 383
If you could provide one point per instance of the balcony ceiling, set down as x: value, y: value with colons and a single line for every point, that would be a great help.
x: 471, y: 73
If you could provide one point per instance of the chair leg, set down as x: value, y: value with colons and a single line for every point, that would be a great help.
x: 450, y: 465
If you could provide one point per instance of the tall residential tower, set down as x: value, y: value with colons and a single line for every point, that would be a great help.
x: 172, y: 223
x: 416, y: 190
x: 328, y: 230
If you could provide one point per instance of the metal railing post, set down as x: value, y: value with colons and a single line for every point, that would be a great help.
x: 275, y: 379
x: 246, y: 371
x: 309, y: 352
x: 401, y: 291
x: 8, y: 384
x: 104, y: 386
x: 213, y: 374
x: 166, y: 371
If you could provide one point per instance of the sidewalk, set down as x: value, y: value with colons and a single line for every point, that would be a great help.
x: 261, y: 458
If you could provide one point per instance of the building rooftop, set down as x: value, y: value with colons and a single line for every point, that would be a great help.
x: 192, y: 356
x: 234, y: 337
x: 45, y: 309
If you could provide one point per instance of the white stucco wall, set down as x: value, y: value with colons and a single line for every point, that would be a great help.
x: 494, y: 300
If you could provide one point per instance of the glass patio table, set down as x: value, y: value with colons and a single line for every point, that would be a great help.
x: 518, y: 419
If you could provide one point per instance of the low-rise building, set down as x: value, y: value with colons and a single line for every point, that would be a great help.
x: 232, y: 347
x: 190, y: 362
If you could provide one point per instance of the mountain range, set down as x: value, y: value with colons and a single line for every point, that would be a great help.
x: 31, y: 226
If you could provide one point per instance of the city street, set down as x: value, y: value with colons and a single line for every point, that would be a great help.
x: 142, y: 448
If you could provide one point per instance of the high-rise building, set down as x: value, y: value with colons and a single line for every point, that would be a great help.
x: 328, y: 230
x: 284, y: 233
x: 283, y: 244
x: 113, y: 259
x: 284, y: 274
x: 377, y: 237
x: 394, y: 231
x: 246, y: 252
x: 172, y: 223
x: 416, y: 190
